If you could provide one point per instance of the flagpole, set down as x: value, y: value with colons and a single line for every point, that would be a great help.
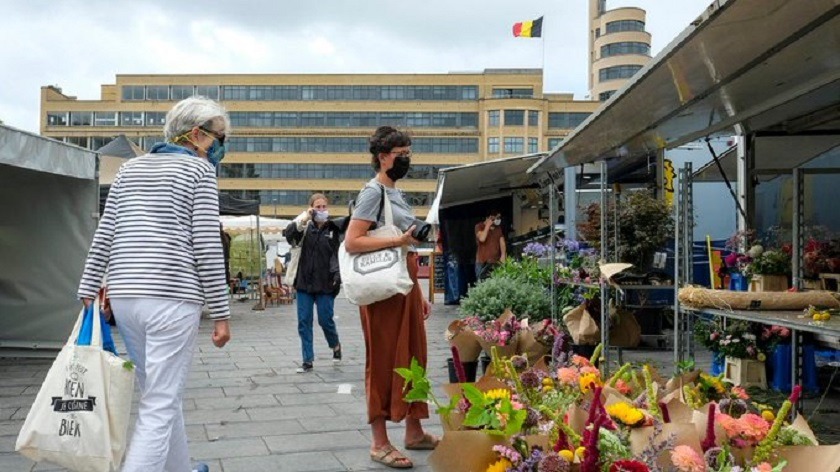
x: 542, y: 38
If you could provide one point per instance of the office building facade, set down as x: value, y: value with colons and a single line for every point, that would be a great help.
x: 618, y: 47
x: 294, y: 134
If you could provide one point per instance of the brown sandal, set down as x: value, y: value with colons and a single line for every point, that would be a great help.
x: 391, y: 457
x: 429, y: 442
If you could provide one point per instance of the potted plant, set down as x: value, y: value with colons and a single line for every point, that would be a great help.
x: 491, y: 297
x: 768, y: 270
x: 644, y: 225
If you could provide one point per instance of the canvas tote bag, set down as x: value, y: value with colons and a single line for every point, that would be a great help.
x: 294, y: 261
x: 378, y: 275
x: 79, y: 419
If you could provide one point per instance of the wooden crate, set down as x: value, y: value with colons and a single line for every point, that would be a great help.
x: 768, y: 283
x: 745, y: 372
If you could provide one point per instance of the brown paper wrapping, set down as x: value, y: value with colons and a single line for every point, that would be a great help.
x: 462, y: 337
x: 727, y: 300
x: 811, y: 458
x: 675, y: 384
x: 529, y: 346
x: 504, y: 351
x: 685, y: 435
x: 582, y: 326
x: 700, y: 419
x: 465, y: 451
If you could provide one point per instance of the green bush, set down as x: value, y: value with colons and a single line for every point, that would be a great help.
x: 491, y: 297
x: 526, y: 269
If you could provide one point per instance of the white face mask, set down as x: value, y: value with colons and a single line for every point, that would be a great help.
x: 497, y: 222
x: 321, y: 216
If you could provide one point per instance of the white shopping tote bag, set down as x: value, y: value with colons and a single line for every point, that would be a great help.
x: 80, y: 416
x: 375, y: 276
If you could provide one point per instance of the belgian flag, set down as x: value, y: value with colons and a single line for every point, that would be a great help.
x: 528, y: 29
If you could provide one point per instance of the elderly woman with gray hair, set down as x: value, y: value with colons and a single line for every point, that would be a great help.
x: 158, y: 243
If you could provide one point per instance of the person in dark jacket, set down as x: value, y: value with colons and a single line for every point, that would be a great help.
x: 317, y: 281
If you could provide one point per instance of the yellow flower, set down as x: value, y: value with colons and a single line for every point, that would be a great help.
x: 768, y: 415
x: 625, y: 413
x: 568, y: 455
x: 547, y: 381
x: 499, y: 466
x: 497, y: 394
x: 547, y: 388
x: 579, y: 452
x: 587, y: 380
x: 761, y: 357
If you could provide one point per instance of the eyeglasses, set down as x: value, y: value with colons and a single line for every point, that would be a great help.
x: 215, y: 134
x: 403, y: 154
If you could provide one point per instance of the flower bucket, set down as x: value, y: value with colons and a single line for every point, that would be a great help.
x: 768, y: 283
x: 717, y: 363
x: 470, y: 369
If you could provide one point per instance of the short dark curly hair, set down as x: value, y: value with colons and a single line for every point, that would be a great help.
x: 383, y: 140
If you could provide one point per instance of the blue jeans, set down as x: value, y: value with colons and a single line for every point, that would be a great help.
x: 305, y: 303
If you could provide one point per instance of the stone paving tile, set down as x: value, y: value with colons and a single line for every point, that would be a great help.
x: 226, y: 448
x: 317, y: 399
x: 316, y: 442
x: 214, y: 416
x: 259, y: 389
x: 9, y: 391
x: 204, y: 393
x: 10, y: 428
x: 289, y: 412
x: 236, y: 402
x: 255, y: 429
x: 300, y: 462
x: 15, y: 462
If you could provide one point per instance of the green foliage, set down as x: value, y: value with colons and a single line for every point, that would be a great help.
x: 644, y: 225
x: 791, y: 437
x: 491, y: 297
x: 128, y: 365
x: 771, y: 262
x: 493, y: 415
x: 418, y: 388
x: 527, y: 269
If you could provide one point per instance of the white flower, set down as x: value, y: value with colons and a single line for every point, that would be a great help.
x: 755, y: 251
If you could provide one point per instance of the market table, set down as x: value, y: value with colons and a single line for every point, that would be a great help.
x: 793, y: 320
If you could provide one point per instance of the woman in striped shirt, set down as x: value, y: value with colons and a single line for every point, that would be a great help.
x: 158, y: 241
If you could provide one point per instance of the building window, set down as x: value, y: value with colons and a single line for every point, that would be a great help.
x: 81, y: 141
x: 566, y: 120
x: 493, y: 118
x: 513, y: 92
x: 133, y: 92
x: 57, y: 119
x: 625, y: 25
x: 157, y: 92
x: 514, y: 117
x: 346, y: 145
x: 469, y: 93
x: 155, y: 118
x: 149, y: 141
x: 316, y: 171
x: 97, y: 142
x: 629, y: 47
x: 604, y: 96
x: 180, y: 92
x: 492, y: 145
x: 554, y: 142
x: 131, y: 118
x: 617, y: 72
x: 105, y: 118
x: 533, y: 145
x: 301, y: 197
x: 81, y: 118
x: 209, y: 91
x: 514, y: 145
x: 533, y: 118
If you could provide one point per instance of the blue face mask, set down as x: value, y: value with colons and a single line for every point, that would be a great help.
x: 216, y: 153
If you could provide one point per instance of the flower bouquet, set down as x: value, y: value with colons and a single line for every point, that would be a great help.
x: 501, y: 333
x: 536, y: 340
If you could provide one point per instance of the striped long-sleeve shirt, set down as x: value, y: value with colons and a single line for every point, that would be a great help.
x: 159, y: 235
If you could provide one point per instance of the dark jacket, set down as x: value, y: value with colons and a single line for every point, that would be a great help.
x: 318, y: 266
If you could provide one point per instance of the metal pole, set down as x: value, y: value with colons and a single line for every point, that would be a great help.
x: 552, y: 216
x: 605, y: 313
x: 798, y: 219
x: 677, y: 260
x: 570, y: 202
x: 744, y: 176
x: 260, y: 255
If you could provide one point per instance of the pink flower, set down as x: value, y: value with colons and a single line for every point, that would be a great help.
x: 741, y: 393
x: 686, y: 459
x: 623, y: 388
x: 567, y: 375
x: 763, y: 467
x: 589, y: 370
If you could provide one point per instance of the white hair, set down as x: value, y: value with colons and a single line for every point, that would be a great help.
x: 192, y: 112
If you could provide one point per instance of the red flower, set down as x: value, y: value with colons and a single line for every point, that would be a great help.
x: 628, y: 465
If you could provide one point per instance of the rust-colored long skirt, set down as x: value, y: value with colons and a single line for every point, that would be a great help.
x: 394, y: 333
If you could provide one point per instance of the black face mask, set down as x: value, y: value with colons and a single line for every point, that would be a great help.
x: 399, y: 169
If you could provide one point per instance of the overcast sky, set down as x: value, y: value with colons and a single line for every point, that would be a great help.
x: 81, y: 44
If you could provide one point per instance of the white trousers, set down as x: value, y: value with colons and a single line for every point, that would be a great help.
x: 160, y: 337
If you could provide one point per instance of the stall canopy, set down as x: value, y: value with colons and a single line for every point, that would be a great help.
x: 48, y: 221
x: 777, y: 153
x: 768, y: 66
x: 482, y: 181
x: 245, y: 224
